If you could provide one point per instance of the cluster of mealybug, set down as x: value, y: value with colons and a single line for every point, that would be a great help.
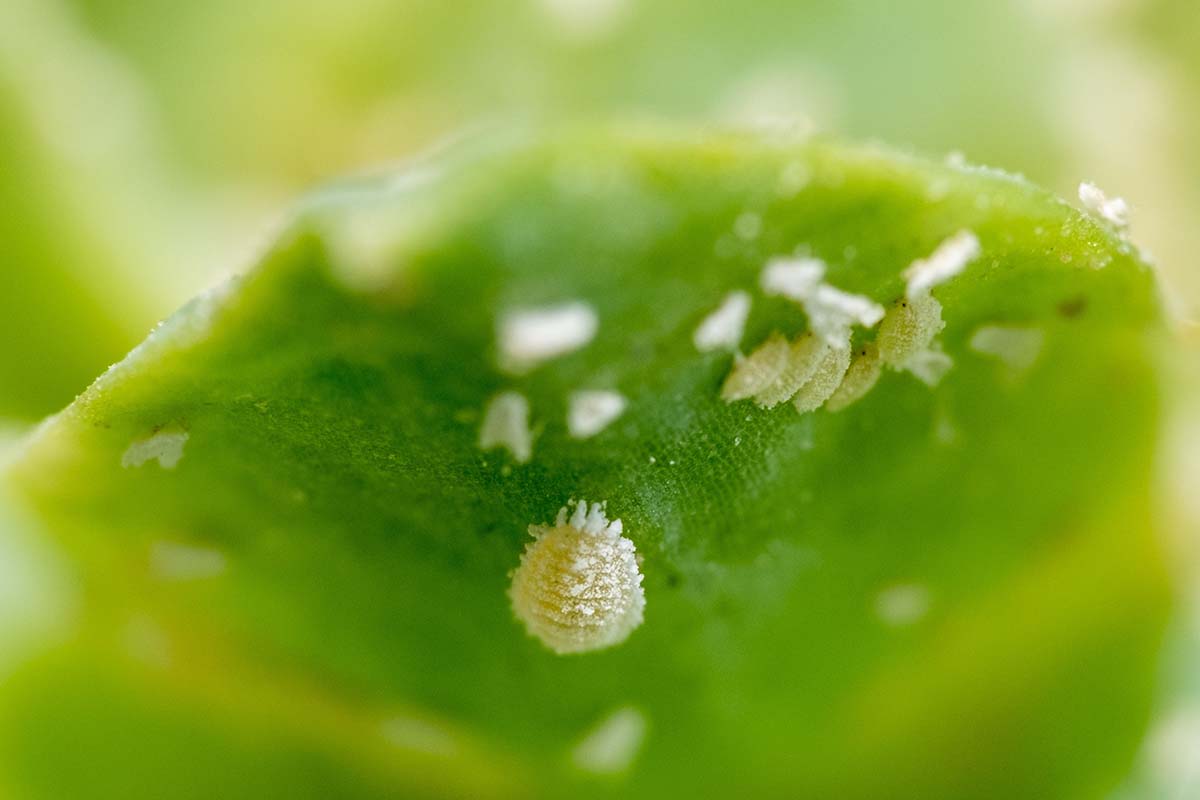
x: 819, y: 368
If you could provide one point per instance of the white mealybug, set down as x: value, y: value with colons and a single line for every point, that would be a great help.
x: 909, y: 328
x: 907, y: 334
x: 824, y: 381
x: 506, y: 424
x: 1115, y: 210
x: 804, y: 356
x: 947, y: 260
x: 722, y: 329
x: 759, y: 370
x: 165, y: 447
x: 527, y: 337
x: 589, y: 412
x: 578, y: 587
x: 1016, y: 346
x: 860, y: 377
x: 611, y: 746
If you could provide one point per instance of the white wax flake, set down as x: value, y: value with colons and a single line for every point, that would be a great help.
x: 418, y: 736
x: 506, y: 424
x: 589, y: 412
x: 586, y: 20
x: 949, y: 259
x: 793, y: 278
x: 831, y: 311
x: 784, y: 104
x: 723, y: 328
x: 611, y: 746
x: 1016, y: 346
x: 945, y: 432
x: 165, y: 447
x: 861, y: 376
x: 1173, y: 754
x: 747, y: 226
x: 1114, y: 210
x: 579, y: 587
x: 902, y: 605
x: 793, y: 178
x: 929, y: 365
x: 759, y: 370
x: 172, y: 561
x: 527, y: 337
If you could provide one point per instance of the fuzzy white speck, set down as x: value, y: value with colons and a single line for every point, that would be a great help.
x: 723, y: 328
x: 902, y: 605
x: 590, y: 412
x: 748, y: 226
x: 793, y: 278
x: 1171, y: 752
x: 506, y: 424
x: 419, y: 736
x: 586, y: 20
x: 172, y: 561
x: 611, y: 746
x: 792, y: 179
x: 929, y: 365
x: 1018, y: 347
x: 949, y: 259
x: 527, y: 337
x: 165, y: 447
x: 1115, y: 210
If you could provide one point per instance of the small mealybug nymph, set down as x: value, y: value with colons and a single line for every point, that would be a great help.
x: 859, y: 379
x: 824, y: 381
x: 578, y: 587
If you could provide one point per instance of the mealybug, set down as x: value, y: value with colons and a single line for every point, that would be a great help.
x: 578, y: 587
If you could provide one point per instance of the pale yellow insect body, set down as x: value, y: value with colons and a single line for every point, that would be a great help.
x: 579, y: 587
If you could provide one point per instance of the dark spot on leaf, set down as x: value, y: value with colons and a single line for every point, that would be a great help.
x: 1073, y: 306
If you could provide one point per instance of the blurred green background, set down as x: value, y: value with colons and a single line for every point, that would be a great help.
x: 147, y: 147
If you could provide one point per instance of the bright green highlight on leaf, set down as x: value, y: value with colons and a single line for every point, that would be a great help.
x: 302, y: 590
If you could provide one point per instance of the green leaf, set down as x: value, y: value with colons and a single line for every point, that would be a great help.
x: 299, y: 588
